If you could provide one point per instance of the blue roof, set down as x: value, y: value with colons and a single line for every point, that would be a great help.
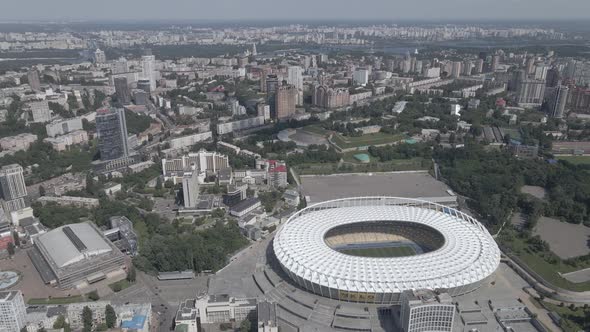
x: 136, y: 322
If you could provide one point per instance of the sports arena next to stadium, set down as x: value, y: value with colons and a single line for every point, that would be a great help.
x: 371, y: 249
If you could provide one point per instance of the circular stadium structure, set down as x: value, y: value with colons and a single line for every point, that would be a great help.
x: 371, y: 249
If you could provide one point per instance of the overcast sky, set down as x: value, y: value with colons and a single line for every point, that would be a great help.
x: 293, y: 9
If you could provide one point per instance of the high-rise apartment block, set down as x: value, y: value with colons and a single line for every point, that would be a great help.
x: 99, y: 56
x: 424, y: 310
x: 111, y: 128
x: 12, y: 311
x: 285, y: 101
x: 34, y: 81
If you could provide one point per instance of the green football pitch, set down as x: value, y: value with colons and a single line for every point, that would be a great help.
x: 380, y: 252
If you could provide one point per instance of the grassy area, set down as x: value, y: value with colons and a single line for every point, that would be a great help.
x: 365, y: 140
x: 549, y: 271
x: 57, y: 300
x: 571, y: 320
x: 352, y: 165
x: 577, y: 160
x: 381, y: 252
x: 315, y: 129
x: 120, y: 285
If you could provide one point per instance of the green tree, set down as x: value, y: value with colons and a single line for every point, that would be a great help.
x: 159, y: 183
x: 24, y: 329
x: 131, y: 274
x: 110, y: 316
x: 245, y: 326
x: 10, y: 249
x: 42, y: 191
x: 87, y: 319
x: 93, y: 296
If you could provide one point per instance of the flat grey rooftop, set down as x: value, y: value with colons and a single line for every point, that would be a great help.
x: 417, y: 184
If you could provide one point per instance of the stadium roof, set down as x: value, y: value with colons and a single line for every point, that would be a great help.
x: 72, y: 243
x: 468, y: 255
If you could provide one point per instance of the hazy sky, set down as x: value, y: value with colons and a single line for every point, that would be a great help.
x: 293, y: 9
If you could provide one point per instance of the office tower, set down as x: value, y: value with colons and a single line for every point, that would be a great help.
x: 495, y: 62
x: 12, y: 182
x: 528, y: 91
x: 120, y: 66
x: 99, y: 56
x: 148, y: 70
x: 145, y: 85
x: 272, y: 84
x: 34, y: 81
x: 530, y: 65
x: 111, y: 128
x: 190, y: 188
x: 361, y: 76
x: 12, y: 311
x: 286, y: 98
x: 122, y: 90
x: 455, y: 69
x: 263, y: 75
x: 557, y: 100
x: 467, y: 67
x: 40, y: 111
x: 424, y: 310
x: 295, y: 77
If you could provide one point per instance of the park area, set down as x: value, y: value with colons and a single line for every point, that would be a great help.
x: 364, y: 141
x: 577, y: 160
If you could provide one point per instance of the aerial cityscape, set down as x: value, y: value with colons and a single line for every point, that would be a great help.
x: 208, y: 168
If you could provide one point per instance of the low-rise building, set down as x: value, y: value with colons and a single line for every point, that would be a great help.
x: 186, y: 141
x: 20, y: 142
x: 223, y: 308
x: 244, y: 207
x: 83, y: 202
x: 425, y: 310
x: 63, y: 142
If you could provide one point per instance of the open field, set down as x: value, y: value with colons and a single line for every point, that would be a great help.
x: 578, y: 160
x: 365, y: 140
x: 381, y: 252
x: 536, y: 191
x: 565, y: 240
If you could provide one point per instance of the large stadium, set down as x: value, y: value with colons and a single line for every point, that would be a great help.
x: 370, y: 249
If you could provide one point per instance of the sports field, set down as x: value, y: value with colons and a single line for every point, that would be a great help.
x: 365, y: 140
x: 380, y: 252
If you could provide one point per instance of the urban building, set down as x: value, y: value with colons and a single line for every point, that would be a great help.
x: 63, y: 126
x: 122, y: 235
x: 186, y: 316
x: 76, y: 255
x: 122, y: 90
x: 40, y: 111
x: 326, y: 97
x: 99, y: 56
x: 34, y: 81
x: 235, y: 194
x: 267, y: 317
x: 528, y: 91
x: 186, y: 141
x: 286, y: 99
x: 190, y: 189
x: 145, y: 85
x: 223, y: 308
x: 557, y: 100
x: 111, y: 128
x: 63, y: 142
x: 202, y: 161
x: 244, y: 207
x: 12, y: 311
x: 229, y: 127
x: 12, y: 182
x: 295, y: 77
x: 148, y: 70
x: 276, y: 173
x: 263, y: 110
x: 81, y: 202
x: 425, y: 310
x: 360, y: 76
x: 271, y: 87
